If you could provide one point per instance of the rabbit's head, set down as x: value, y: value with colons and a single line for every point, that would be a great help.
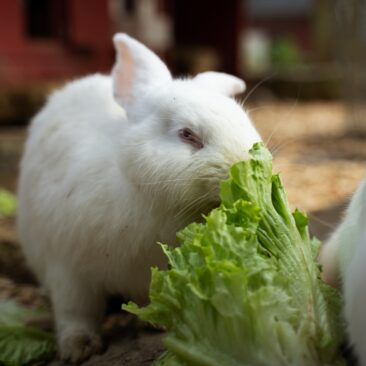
x: 183, y: 134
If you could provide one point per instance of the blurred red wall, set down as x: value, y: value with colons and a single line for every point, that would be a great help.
x: 53, y: 40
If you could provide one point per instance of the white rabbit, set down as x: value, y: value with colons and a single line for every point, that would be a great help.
x: 343, y: 259
x: 112, y: 165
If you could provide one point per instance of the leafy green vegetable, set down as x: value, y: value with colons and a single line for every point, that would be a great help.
x: 244, y: 287
x: 7, y: 203
x: 21, y: 344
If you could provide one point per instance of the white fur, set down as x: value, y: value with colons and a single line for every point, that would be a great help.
x: 344, y: 261
x: 100, y: 185
x: 220, y: 82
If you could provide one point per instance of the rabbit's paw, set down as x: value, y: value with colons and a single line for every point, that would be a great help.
x: 79, y: 346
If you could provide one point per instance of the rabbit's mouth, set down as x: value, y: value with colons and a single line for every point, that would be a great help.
x: 212, y: 205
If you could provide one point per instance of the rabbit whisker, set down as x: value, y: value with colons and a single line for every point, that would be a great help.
x: 256, y: 86
x: 277, y: 148
x: 199, y: 202
x: 175, y: 180
x: 285, y: 117
x: 259, y: 107
x: 325, y: 223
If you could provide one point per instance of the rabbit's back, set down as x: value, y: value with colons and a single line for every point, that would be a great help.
x: 70, y: 173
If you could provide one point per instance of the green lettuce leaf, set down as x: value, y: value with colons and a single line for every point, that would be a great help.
x: 7, y: 203
x: 21, y: 344
x: 244, y: 287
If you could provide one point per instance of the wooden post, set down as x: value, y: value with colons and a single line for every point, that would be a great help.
x: 350, y: 16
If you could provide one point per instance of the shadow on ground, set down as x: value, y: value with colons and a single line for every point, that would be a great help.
x: 133, y: 347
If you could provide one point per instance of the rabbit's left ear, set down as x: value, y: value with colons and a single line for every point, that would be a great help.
x: 220, y: 82
x: 136, y: 70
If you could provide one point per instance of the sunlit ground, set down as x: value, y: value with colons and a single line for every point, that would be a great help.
x: 320, y: 162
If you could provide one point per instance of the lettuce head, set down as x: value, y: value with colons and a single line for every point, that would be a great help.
x: 244, y: 287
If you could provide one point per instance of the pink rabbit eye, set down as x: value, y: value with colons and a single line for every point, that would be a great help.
x: 188, y: 136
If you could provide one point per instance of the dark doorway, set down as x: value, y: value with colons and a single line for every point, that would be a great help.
x: 46, y: 19
x: 208, y: 26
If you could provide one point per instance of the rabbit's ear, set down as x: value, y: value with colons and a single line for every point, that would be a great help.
x: 220, y: 82
x: 136, y: 70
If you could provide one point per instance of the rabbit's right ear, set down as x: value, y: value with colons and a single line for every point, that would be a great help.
x: 220, y: 82
x: 136, y: 70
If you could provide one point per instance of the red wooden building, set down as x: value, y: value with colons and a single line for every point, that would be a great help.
x: 42, y: 40
x: 53, y: 39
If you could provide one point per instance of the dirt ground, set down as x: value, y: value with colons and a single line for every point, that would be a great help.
x: 321, y: 164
